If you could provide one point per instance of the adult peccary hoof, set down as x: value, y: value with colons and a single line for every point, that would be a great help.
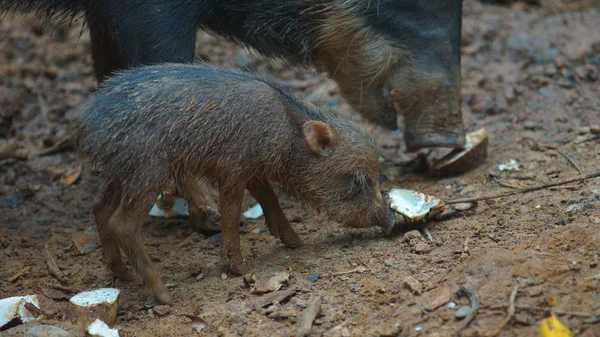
x: 462, y: 160
x: 86, y: 307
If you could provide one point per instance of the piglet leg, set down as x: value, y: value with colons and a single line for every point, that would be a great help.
x: 230, y: 205
x: 127, y: 223
x: 276, y: 221
x: 103, y: 209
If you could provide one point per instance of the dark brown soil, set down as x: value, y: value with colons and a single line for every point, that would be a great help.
x: 530, y: 77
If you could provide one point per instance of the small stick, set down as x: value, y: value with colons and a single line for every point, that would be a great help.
x: 571, y: 161
x: 19, y: 274
x: 311, y: 312
x: 62, y: 145
x: 510, y: 312
x: 526, y: 190
x: 464, y: 291
x: 358, y: 270
x: 558, y: 312
x: 53, y: 267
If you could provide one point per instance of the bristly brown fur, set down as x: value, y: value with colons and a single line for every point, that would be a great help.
x: 155, y: 129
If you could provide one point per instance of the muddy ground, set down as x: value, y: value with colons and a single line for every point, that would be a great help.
x: 530, y: 77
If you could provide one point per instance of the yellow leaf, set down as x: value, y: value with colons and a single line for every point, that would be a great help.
x: 71, y: 176
x: 552, y: 327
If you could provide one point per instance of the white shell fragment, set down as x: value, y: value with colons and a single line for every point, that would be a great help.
x: 85, y: 307
x: 14, y: 308
x: 254, y: 212
x: 511, y: 165
x: 414, y: 206
x: 100, y: 329
x: 180, y: 208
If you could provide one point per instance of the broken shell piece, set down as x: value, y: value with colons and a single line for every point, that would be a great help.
x: 18, y: 310
x: 254, y: 212
x: 180, y: 208
x: 85, y: 307
x: 511, y: 165
x: 461, y: 160
x: 414, y: 206
x: 100, y: 329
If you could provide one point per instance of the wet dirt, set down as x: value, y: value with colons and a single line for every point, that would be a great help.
x: 531, y: 77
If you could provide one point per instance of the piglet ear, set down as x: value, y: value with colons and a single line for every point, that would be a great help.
x: 319, y: 136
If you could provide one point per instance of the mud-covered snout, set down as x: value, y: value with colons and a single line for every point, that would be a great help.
x: 378, y: 214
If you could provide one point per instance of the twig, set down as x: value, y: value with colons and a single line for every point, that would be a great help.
x: 358, y: 270
x: 571, y: 161
x: 309, y: 315
x: 558, y: 312
x: 510, y: 312
x: 18, y: 274
x: 464, y: 291
x: 53, y: 267
x: 43, y: 107
x: 62, y: 145
x: 526, y: 190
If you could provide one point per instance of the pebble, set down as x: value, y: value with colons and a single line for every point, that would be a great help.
x: 271, y: 309
x: 223, y: 276
x: 421, y: 247
x: 463, y: 311
x: 451, y: 305
x: 44, y: 330
x: 346, y: 332
x: 162, y: 310
x: 413, y: 285
x: 595, y: 129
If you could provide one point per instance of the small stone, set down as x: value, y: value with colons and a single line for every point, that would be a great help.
x: 274, y: 283
x: 199, y: 276
x: 346, y: 332
x: 271, y: 309
x: 413, y: 285
x: 258, y: 230
x: 595, y: 129
x: 45, y: 330
x: 328, y: 256
x: 410, y: 235
x: 162, y: 310
x: 421, y: 247
x: 530, y: 125
x: 463, y: 311
x: 223, y: 276
x: 451, y: 305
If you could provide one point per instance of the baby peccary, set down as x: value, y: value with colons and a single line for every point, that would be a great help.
x: 161, y: 128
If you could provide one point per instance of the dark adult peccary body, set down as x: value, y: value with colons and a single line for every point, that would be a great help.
x: 161, y: 128
x: 389, y: 57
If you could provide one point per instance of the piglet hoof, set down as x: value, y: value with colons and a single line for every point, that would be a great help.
x: 205, y: 220
x: 163, y: 296
x: 291, y: 240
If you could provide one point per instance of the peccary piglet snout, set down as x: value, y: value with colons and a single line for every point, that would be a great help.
x: 161, y: 128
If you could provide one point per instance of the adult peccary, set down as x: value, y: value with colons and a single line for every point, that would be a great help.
x: 389, y: 57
